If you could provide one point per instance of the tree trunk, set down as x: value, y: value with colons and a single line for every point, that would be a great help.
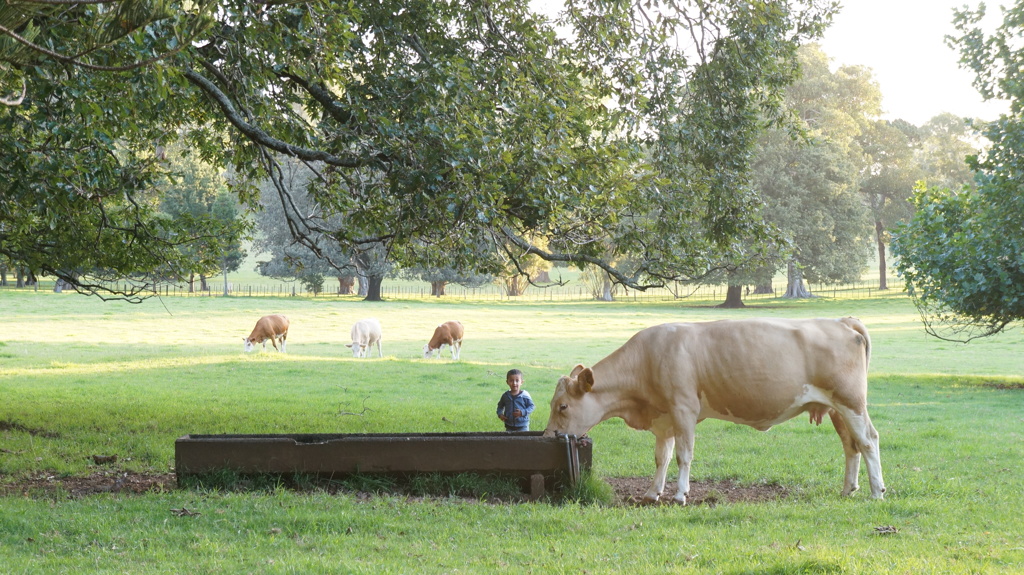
x: 225, y: 279
x: 437, y: 288
x: 795, y: 287
x: 191, y: 283
x: 880, y: 235
x: 733, y: 298
x: 58, y: 286
x: 373, y: 288
x: 20, y: 278
x: 543, y: 277
x: 345, y: 284
x: 203, y: 286
x: 363, y: 282
x: 514, y: 286
x: 606, y: 291
x: 765, y: 288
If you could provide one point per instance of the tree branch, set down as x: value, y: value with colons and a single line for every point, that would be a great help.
x: 259, y: 136
x: 528, y: 249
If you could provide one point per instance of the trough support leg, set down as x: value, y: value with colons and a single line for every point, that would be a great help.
x: 536, y: 486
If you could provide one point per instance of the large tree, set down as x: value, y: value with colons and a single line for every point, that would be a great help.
x: 284, y: 257
x: 195, y: 194
x: 456, y: 128
x: 809, y: 184
x: 961, y: 254
x: 79, y: 159
x: 889, y: 171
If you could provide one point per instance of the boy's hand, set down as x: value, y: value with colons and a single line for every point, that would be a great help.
x: 501, y: 417
x: 517, y: 413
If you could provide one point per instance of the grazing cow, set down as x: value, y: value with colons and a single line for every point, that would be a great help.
x: 365, y: 333
x: 448, y: 333
x: 757, y: 372
x: 269, y: 327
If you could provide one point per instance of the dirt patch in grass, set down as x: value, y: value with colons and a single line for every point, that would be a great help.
x: 45, y: 485
x: 7, y: 425
x: 628, y: 490
x: 1004, y: 385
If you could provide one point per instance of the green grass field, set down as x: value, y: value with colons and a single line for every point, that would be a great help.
x: 80, y: 377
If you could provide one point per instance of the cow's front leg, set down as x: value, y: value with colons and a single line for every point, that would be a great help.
x: 663, y: 445
x: 685, y: 423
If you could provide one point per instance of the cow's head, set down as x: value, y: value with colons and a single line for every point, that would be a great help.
x: 427, y: 351
x: 249, y: 344
x: 357, y: 349
x: 574, y: 410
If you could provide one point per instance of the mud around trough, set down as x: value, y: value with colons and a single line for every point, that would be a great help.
x: 628, y: 490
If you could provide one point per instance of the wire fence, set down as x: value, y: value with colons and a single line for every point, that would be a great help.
x: 572, y: 291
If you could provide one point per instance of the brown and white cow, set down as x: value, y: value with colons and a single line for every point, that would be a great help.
x: 365, y: 333
x: 269, y: 327
x: 448, y: 333
x: 758, y: 372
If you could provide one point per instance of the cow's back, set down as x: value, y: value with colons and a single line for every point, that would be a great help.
x: 750, y: 370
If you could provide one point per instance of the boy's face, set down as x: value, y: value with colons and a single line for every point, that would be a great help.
x: 515, y: 382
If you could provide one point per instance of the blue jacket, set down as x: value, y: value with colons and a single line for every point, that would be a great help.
x: 509, y: 403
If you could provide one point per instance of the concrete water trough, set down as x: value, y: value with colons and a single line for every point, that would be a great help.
x: 541, y: 462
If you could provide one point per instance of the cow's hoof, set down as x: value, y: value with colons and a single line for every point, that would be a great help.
x: 650, y: 498
x: 679, y: 499
x: 850, y: 490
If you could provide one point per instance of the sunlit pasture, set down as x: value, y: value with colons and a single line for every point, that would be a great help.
x: 81, y: 377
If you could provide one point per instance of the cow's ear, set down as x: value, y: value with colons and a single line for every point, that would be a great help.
x: 576, y: 370
x: 585, y: 380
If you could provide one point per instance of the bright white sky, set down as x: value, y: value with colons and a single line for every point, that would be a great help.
x: 902, y: 41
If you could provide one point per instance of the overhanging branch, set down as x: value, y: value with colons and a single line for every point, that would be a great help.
x: 528, y: 249
x: 259, y: 136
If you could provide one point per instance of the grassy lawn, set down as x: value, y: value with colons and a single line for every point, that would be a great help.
x: 80, y: 377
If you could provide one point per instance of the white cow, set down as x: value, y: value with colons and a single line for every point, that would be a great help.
x: 448, y: 333
x: 365, y: 333
x: 757, y: 372
x: 269, y: 327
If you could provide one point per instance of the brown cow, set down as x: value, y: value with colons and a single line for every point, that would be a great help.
x: 269, y: 327
x: 757, y: 372
x: 448, y: 333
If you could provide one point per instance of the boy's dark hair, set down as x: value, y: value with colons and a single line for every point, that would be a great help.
x: 512, y: 372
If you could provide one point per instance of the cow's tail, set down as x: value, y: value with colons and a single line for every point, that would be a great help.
x: 856, y: 325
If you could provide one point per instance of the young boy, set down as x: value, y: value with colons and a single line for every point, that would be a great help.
x: 515, y: 405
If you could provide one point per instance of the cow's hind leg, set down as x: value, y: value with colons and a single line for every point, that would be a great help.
x: 850, y: 449
x: 284, y: 337
x: 664, y: 443
x: 865, y: 437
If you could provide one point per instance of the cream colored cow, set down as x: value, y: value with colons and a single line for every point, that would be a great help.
x: 365, y: 333
x: 757, y: 372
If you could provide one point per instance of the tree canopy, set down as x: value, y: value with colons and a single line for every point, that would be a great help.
x: 463, y: 135
x: 962, y: 255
